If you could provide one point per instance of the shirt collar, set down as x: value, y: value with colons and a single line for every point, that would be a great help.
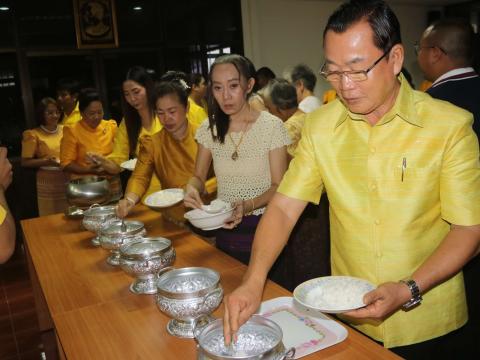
x: 404, y: 108
x: 453, y: 73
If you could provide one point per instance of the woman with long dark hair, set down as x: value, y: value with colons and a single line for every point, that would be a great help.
x: 248, y: 150
x: 139, y: 119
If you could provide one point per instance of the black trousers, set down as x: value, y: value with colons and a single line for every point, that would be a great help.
x: 459, y: 344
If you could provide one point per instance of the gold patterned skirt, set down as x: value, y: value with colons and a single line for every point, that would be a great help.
x: 51, y: 183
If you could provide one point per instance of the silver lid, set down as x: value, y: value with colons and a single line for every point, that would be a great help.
x: 115, y: 228
x: 145, y: 248
x: 187, y: 282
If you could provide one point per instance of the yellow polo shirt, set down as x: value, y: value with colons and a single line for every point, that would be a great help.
x: 382, y: 227
x: 73, y: 118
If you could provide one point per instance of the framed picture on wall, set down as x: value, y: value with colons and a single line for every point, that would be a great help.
x: 95, y: 24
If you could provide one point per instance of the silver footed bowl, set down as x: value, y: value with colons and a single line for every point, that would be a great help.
x: 88, y: 190
x: 96, y: 217
x: 258, y: 338
x: 144, y: 258
x: 185, y: 294
x: 113, y: 236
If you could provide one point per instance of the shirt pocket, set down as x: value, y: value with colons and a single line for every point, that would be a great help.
x: 418, y: 176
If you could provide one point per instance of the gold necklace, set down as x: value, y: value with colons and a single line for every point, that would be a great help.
x: 235, y: 153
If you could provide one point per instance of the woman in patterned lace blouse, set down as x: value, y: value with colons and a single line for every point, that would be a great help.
x: 248, y: 150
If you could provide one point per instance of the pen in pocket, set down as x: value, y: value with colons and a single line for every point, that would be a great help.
x: 404, y: 167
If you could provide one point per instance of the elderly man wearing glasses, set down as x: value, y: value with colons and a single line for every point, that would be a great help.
x: 402, y: 175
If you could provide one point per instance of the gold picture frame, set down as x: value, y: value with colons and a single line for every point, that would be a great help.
x: 95, y: 24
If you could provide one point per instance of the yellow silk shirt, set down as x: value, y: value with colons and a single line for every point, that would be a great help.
x: 3, y: 214
x: 171, y: 160
x: 73, y: 118
x: 121, y: 148
x: 80, y: 138
x: 196, y: 114
x: 294, y: 125
x: 384, y: 227
x: 39, y: 144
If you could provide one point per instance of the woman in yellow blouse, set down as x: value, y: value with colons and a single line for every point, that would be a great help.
x: 41, y: 150
x: 139, y: 120
x: 91, y: 135
x: 170, y: 153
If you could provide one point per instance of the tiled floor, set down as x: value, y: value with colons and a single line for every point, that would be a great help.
x: 20, y: 337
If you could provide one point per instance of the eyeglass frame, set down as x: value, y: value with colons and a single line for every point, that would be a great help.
x: 417, y: 48
x: 346, y: 73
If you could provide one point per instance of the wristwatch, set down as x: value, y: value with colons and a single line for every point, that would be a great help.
x: 416, y: 297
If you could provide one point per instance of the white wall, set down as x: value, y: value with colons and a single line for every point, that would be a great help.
x: 282, y: 33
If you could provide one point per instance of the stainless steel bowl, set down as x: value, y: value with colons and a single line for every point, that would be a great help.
x: 113, y: 236
x: 144, y: 258
x: 88, y: 190
x: 97, y: 217
x: 258, y: 338
x: 185, y: 294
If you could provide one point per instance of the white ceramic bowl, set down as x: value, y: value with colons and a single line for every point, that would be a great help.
x: 205, y: 221
x: 163, y: 198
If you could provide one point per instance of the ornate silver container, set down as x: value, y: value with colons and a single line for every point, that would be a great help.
x: 96, y: 217
x: 185, y: 294
x: 88, y: 190
x: 144, y: 258
x: 258, y: 338
x: 112, y: 237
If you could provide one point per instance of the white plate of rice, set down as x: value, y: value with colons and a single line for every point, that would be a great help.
x: 129, y: 164
x: 333, y: 294
x: 164, y: 198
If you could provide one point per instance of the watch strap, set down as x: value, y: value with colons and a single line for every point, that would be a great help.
x: 416, y: 298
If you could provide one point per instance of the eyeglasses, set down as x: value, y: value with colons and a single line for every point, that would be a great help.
x: 417, y: 48
x: 354, y: 75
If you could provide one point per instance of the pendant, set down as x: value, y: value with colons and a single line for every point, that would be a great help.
x: 235, y: 155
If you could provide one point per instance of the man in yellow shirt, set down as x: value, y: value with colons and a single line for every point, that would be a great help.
x: 67, y: 97
x: 402, y: 175
x: 7, y: 225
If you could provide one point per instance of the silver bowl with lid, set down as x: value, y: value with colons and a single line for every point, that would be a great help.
x: 144, y: 258
x: 185, y: 294
x: 258, y: 338
x: 96, y: 217
x: 113, y: 236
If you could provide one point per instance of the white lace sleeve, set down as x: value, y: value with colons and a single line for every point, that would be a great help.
x: 203, y: 135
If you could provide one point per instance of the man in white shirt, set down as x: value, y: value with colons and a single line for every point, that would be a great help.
x: 305, y: 80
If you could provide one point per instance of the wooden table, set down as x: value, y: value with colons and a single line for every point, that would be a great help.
x: 94, y: 314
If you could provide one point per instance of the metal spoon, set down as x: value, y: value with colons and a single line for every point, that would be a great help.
x: 123, y: 227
